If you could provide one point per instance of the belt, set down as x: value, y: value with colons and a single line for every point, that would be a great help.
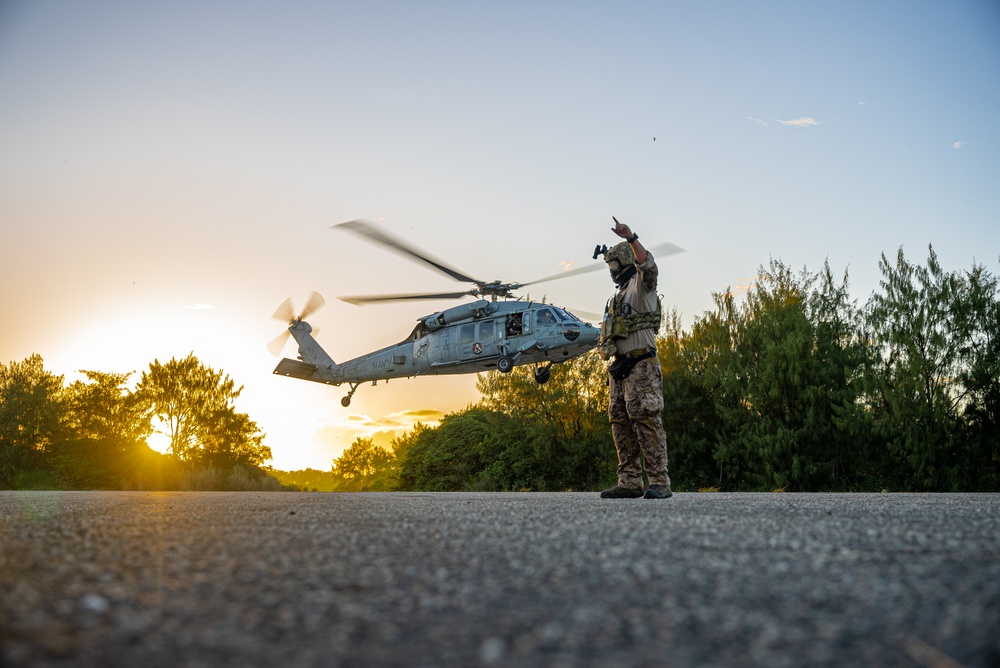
x: 637, y: 354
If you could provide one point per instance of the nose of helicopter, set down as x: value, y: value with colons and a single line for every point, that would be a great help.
x: 584, y: 333
x: 590, y: 334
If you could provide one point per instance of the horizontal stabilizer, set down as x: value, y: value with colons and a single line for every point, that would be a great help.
x: 295, y: 369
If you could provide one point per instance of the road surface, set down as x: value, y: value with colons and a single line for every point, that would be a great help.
x: 314, y: 579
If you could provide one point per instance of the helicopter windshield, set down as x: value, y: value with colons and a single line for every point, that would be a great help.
x: 564, y: 316
x: 545, y: 317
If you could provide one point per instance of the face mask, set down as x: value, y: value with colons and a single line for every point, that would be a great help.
x: 621, y: 276
x: 621, y: 271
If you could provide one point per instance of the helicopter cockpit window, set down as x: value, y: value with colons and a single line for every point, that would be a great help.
x: 563, y: 315
x: 545, y: 317
x: 467, y: 334
x: 486, y: 330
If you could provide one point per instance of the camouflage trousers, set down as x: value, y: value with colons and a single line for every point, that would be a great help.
x: 637, y: 425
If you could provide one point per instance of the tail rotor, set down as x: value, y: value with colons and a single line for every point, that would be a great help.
x: 286, y: 313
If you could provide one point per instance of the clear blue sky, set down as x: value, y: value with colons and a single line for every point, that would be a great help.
x: 169, y: 171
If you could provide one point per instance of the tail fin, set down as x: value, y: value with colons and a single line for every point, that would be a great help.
x: 313, y: 364
x: 309, y: 350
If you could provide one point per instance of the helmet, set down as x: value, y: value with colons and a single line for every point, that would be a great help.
x: 620, y: 261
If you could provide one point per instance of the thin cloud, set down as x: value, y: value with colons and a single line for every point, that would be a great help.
x: 959, y: 144
x: 425, y: 414
x: 359, y: 422
x: 804, y: 122
x: 355, y: 417
x: 758, y: 121
x: 742, y: 285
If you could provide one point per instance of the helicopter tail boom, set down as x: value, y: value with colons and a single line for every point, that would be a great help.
x: 313, y: 364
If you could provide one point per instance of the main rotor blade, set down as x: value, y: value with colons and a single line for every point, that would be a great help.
x: 370, y: 299
x: 666, y: 249
x: 586, y: 316
x: 365, y: 229
x: 661, y: 250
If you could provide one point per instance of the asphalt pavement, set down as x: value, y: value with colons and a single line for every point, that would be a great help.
x: 315, y: 579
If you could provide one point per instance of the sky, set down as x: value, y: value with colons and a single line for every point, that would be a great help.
x: 170, y: 172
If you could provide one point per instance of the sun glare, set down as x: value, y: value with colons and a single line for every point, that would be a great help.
x: 159, y: 441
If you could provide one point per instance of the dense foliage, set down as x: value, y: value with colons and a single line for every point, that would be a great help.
x: 92, y: 434
x: 793, y: 386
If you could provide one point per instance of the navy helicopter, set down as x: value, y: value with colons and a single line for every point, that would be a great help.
x: 478, y: 336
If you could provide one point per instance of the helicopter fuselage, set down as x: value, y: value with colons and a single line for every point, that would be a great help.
x: 474, y: 337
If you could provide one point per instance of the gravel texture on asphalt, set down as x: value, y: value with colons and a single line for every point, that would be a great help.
x: 456, y: 579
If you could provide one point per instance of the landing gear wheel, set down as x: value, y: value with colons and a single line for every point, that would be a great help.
x: 505, y: 364
x: 346, y: 401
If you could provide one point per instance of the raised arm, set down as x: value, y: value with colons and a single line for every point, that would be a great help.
x: 625, y: 232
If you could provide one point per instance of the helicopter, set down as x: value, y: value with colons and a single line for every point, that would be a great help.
x: 497, y: 331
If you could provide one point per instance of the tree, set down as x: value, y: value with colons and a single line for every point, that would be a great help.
x: 798, y: 366
x: 911, y: 386
x: 564, y: 438
x: 106, y: 431
x: 974, y: 319
x: 447, y: 457
x: 842, y: 354
x: 767, y: 385
x: 772, y: 374
x: 690, y: 418
x: 363, y: 467
x: 195, y: 402
x: 30, y: 416
x: 231, y: 439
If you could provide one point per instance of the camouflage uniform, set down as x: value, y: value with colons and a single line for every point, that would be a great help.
x: 636, y: 403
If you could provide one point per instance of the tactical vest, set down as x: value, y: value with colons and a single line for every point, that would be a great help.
x: 620, y: 321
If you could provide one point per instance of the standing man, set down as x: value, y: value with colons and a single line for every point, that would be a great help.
x: 628, y: 333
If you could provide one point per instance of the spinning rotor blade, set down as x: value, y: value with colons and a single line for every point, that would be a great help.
x: 286, y: 314
x: 315, y: 303
x: 369, y: 299
x: 277, y: 344
x: 666, y: 249
x: 365, y: 229
x: 662, y: 250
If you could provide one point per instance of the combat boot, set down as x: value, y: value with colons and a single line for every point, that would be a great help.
x: 658, y: 492
x: 619, y: 492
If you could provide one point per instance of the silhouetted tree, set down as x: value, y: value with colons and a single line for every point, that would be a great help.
x: 106, y: 429
x: 975, y: 319
x: 30, y: 416
x: 196, y: 403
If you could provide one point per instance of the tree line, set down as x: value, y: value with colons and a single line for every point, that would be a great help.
x: 793, y: 387
x: 91, y: 434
